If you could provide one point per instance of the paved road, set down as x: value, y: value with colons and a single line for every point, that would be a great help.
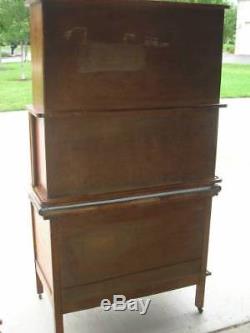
x: 14, y: 59
x: 236, y: 59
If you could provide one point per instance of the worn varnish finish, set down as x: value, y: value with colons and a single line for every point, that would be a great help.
x: 123, y: 133
x: 145, y: 148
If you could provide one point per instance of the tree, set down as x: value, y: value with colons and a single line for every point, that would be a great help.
x: 230, y: 25
x: 14, y: 24
x: 2, y: 36
x: 1, y: 44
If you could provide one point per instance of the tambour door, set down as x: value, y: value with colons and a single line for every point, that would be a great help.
x: 118, y: 152
x: 120, y: 239
x: 130, y: 55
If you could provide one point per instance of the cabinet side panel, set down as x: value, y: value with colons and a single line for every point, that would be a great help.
x: 38, y: 153
x: 43, y: 248
x: 36, y: 24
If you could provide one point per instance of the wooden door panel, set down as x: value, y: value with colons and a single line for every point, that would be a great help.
x: 133, y: 57
x: 102, y: 153
x: 117, y: 240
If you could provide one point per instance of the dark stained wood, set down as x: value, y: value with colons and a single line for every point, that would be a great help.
x: 139, y: 3
x: 37, y: 49
x: 155, y: 149
x: 57, y: 286
x: 43, y: 255
x: 153, y: 61
x: 133, y: 286
x: 38, y: 152
x: 123, y: 132
x: 42, y: 278
x: 200, y: 288
x: 57, y: 208
x: 39, y: 285
x: 130, y: 240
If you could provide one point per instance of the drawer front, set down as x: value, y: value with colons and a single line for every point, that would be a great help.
x: 128, y: 151
x: 118, y: 240
x: 131, y: 56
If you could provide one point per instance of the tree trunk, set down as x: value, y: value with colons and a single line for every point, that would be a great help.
x: 12, y: 48
x: 26, y: 52
x: 0, y: 55
x: 23, y: 76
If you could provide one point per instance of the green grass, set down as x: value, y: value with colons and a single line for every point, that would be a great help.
x: 235, y: 80
x: 16, y: 94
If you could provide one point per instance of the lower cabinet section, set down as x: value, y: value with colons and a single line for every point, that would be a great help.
x: 134, y: 248
x: 116, y: 240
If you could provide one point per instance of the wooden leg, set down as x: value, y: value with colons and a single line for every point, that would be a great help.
x: 200, y: 294
x: 57, y: 291
x: 39, y: 286
x: 58, y: 322
x: 200, y: 288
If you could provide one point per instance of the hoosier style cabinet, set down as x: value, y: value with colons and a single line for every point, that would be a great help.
x: 123, y: 134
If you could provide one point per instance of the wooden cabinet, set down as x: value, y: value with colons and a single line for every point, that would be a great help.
x: 123, y: 134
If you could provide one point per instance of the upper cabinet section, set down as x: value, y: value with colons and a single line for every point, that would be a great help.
x: 144, y: 3
x: 114, y: 55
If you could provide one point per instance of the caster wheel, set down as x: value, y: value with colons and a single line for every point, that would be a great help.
x: 40, y: 296
x: 200, y: 310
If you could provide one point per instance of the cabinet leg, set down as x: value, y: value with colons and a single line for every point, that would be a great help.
x: 58, y: 317
x: 200, y: 294
x: 55, y: 236
x: 39, y: 286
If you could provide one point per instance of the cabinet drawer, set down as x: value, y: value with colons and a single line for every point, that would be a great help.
x: 128, y: 151
x: 117, y: 240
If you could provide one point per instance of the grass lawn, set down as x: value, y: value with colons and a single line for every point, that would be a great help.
x: 235, y: 80
x: 16, y: 94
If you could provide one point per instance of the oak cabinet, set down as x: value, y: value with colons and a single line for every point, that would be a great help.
x: 123, y: 133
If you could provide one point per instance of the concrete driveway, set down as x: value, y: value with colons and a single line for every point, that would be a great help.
x: 236, y: 59
x: 228, y: 290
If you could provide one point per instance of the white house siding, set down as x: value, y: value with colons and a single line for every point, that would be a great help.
x: 242, y: 46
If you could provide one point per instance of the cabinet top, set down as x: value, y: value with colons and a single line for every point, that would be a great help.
x: 147, y: 3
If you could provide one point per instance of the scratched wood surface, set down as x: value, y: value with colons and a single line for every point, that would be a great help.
x: 126, y: 99
x: 105, y: 153
x: 135, y: 58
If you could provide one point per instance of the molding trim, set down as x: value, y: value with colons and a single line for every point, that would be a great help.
x: 52, y: 210
x: 83, y: 112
